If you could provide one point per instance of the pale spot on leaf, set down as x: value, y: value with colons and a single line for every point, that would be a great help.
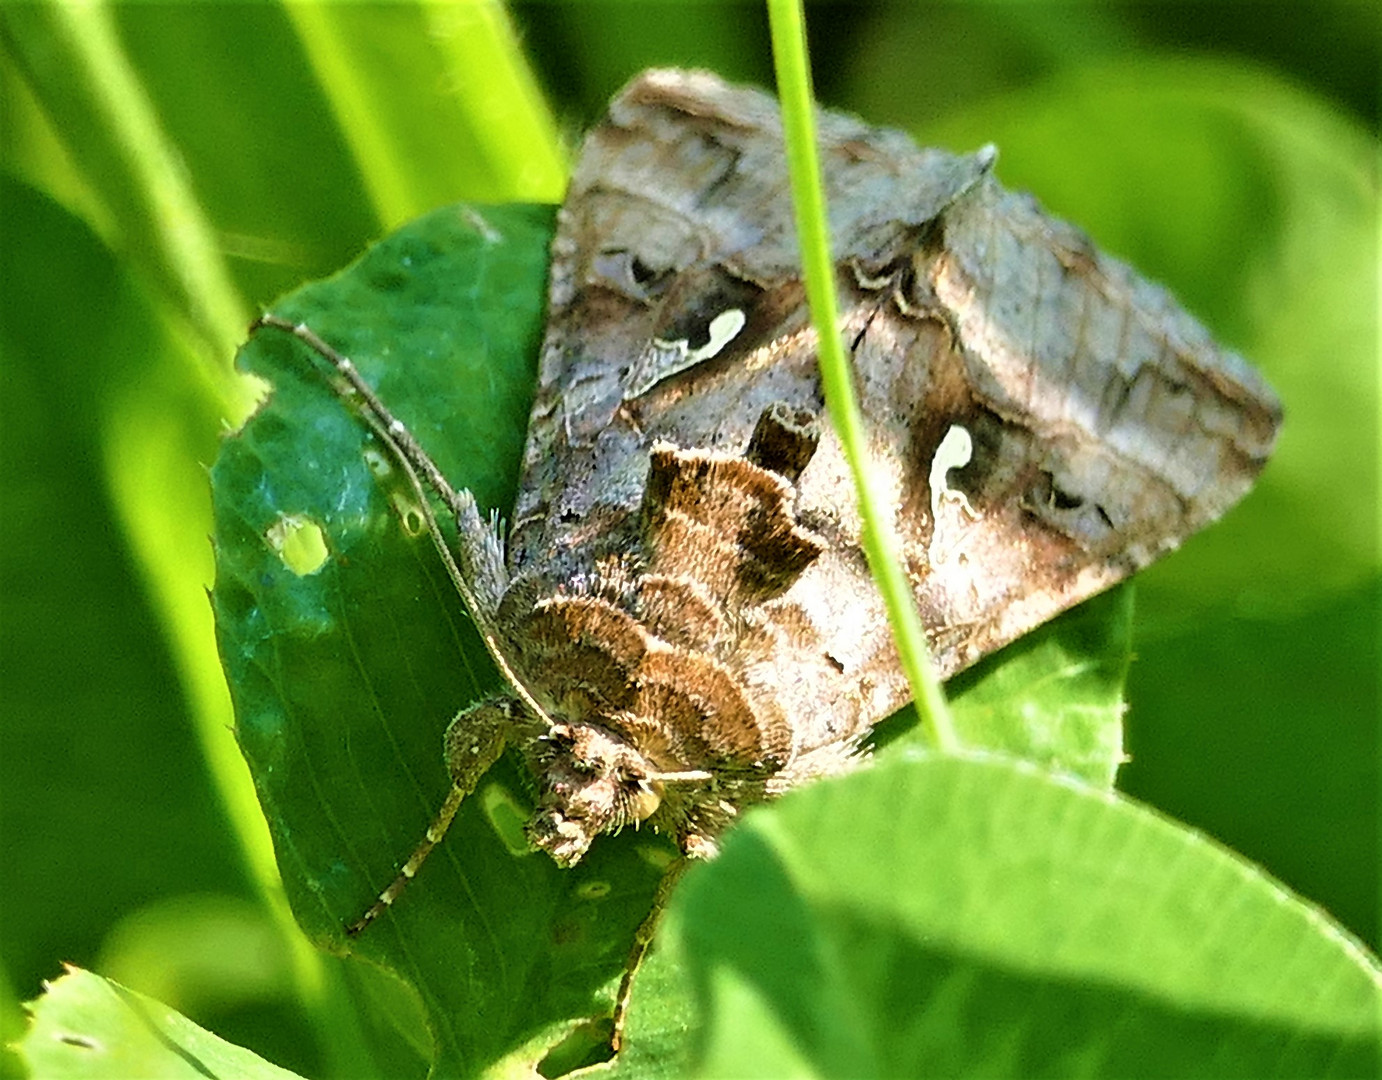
x: 299, y: 542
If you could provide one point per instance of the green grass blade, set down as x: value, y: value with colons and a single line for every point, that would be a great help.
x: 511, y: 123
x: 160, y: 202
x: 469, y: 121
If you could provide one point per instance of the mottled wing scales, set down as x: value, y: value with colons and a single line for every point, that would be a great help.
x: 613, y: 670
x: 684, y: 609
x: 1099, y: 423
x: 724, y: 523
x: 1141, y: 420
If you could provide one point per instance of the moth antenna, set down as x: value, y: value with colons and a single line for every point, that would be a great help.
x: 480, y: 550
x: 436, y: 831
x: 390, y: 428
x: 687, y: 776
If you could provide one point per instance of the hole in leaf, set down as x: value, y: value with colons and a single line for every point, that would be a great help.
x: 587, y: 1044
x: 299, y: 542
x: 379, y: 464
x: 593, y: 890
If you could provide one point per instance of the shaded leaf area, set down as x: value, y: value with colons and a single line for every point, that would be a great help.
x: 88, y: 1026
x: 1000, y: 922
x: 1309, y: 743
x: 344, y: 679
x: 1055, y: 697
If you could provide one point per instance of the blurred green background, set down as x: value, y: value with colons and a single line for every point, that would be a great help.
x: 168, y: 170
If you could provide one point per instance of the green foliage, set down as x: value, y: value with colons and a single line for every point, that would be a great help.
x: 91, y: 1027
x: 1253, y: 689
x: 971, y: 917
x: 1055, y: 697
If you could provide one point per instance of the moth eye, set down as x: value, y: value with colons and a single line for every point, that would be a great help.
x: 642, y: 799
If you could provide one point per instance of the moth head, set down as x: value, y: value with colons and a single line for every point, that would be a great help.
x: 592, y: 782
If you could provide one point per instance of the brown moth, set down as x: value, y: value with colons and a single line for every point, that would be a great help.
x: 684, y: 571
x: 682, y: 607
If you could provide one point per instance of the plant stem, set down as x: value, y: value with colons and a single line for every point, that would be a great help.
x: 799, y: 128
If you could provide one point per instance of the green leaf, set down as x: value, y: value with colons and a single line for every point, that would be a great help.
x: 344, y: 679
x: 88, y: 1026
x: 376, y: 112
x: 1000, y: 922
x: 1264, y: 733
x: 1055, y: 696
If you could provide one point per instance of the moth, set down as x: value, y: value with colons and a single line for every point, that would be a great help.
x: 682, y: 609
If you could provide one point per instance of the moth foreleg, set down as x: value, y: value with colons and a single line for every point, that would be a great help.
x: 474, y: 741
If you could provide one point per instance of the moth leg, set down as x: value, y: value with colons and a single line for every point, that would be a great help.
x: 474, y: 741
x: 642, y: 942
